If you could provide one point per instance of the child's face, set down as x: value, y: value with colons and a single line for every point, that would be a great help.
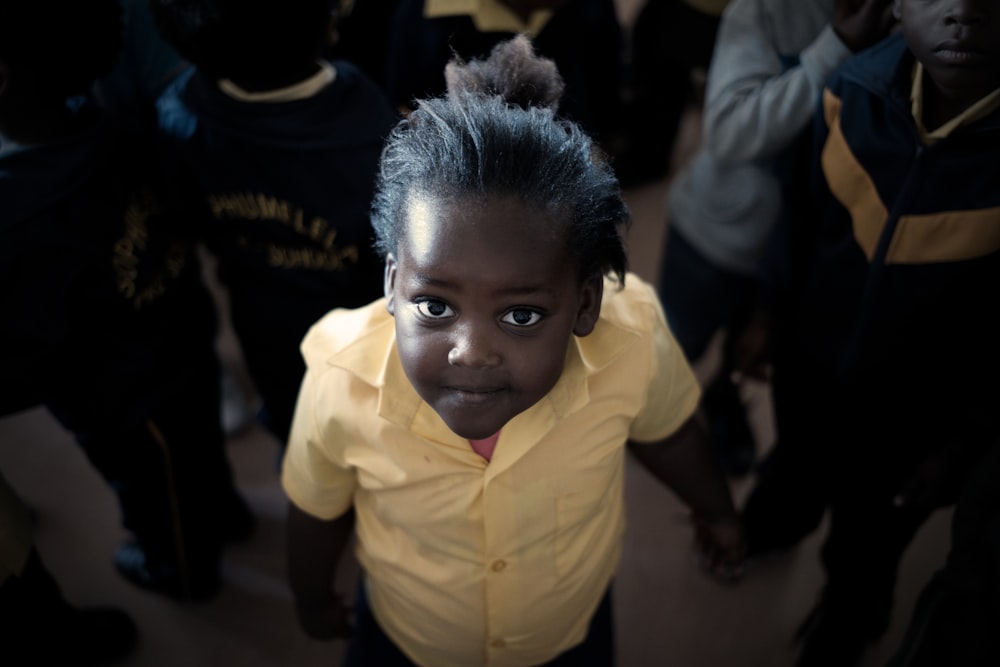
x: 486, y: 298
x: 958, y: 42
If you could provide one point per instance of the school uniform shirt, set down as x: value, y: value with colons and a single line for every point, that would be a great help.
x: 285, y: 183
x: 470, y: 562
x: 102, y: 299
x: 279, y: 185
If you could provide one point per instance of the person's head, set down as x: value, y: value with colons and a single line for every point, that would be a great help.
x: 51, y: 52
x: 498, y: 224
x: 958, y: 43
x: 256, y: 43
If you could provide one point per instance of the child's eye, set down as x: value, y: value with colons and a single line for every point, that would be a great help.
x: 434, y: 309
x: 521, y: 317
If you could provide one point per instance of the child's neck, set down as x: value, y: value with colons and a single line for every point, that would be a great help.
x: 943, y: 104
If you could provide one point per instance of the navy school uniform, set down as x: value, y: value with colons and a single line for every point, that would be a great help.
x: 107, y: 324
x: 583, y: 38
x: 280, y: 192
x: 888, y: 348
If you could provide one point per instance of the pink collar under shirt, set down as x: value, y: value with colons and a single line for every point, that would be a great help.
x: 485, y: 446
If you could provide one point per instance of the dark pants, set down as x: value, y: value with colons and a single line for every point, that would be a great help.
x: 844, y: 448
x: 371, y: 647
x: 955, y: 619
x: 145, y: 411
x: 701, y: 300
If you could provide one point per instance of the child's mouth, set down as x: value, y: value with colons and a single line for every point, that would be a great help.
x: 474, y: 396
x: 956, y: 53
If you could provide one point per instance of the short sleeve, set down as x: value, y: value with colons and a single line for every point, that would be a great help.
x: 313, y: 476
x: 673, y: 393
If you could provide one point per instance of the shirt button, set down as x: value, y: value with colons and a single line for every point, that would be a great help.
x: 498, y: 643
x: 499, y: 565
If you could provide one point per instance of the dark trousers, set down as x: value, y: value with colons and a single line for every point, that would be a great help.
x: 955, y: 619
x: 371, y: 647
x: 839, y: 449
x: 145, y: 411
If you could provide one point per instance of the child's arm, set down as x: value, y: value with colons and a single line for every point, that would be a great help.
x: 314, y: 549
x: 683, y: 462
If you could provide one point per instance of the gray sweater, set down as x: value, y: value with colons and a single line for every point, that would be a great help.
x: 771, y: 60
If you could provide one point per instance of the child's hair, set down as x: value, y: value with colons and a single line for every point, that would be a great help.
x: 58, y: 49
x: 246, y: 40
x: 496, y: 133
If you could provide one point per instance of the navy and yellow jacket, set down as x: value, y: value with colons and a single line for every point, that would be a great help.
x: 894, y: 246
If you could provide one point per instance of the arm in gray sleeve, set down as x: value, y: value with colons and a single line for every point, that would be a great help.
x: 755, y: 105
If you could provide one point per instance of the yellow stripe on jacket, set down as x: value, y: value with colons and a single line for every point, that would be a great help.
x: 943, y: 236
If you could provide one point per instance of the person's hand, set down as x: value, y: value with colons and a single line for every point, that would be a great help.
x: 325, y: 619
x: 720, y: 547
x: 752, y: 349
x: 861, y: 23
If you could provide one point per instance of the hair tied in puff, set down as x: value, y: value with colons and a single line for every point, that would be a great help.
x: 513, y: 71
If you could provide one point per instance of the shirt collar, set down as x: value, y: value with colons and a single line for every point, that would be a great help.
x: 297, y: 91
x: 489, y: 15
x: 980, y: 109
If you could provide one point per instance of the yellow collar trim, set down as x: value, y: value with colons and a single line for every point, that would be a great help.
x: 489, y: 15
x: 980, y: 109
x: 297, y: 91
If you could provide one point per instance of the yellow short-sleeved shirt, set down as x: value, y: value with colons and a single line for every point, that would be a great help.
x: 470, y: 562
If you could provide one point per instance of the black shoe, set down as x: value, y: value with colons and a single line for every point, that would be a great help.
x: 197, y: 581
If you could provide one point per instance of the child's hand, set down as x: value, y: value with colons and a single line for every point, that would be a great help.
x: 861, y: 23
x: 325, y: 619
x: 720, y: 548
x: 752, y: 351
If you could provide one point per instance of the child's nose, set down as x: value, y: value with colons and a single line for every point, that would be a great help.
x: 473, y: 346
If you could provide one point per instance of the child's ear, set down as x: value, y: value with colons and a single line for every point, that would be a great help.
x: 897, y: 11
x: 591, y: 294
x: 389, y: 284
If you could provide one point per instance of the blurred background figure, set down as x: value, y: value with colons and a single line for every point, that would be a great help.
x: 272, y: 151
x: 769, y: 66
x: 583, y: 38
x: 667, y: 54
x: 106, y: 322
x: 883, y: 345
